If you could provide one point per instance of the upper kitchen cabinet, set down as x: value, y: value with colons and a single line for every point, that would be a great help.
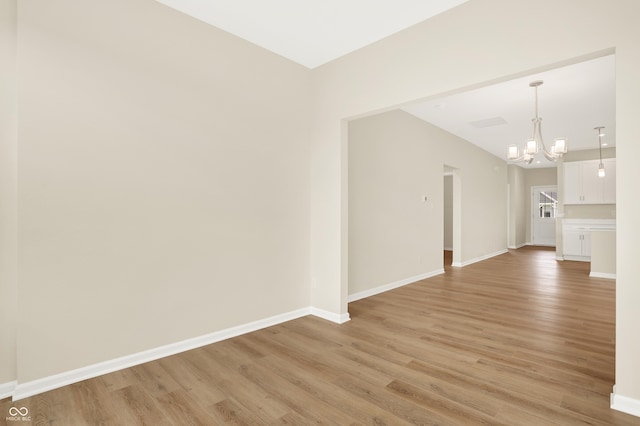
x: 582, y: 185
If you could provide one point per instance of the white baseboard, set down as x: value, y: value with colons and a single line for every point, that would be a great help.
x: 625, y: 404
x: 7, y: 389
x: 560, y: 258
x: 34, y: 387
x: 516, y: 247
x: 330, y: 316
x: 391, y: 286
x: 577, y: 258
x: 479, y: 259
x: 602, y: 275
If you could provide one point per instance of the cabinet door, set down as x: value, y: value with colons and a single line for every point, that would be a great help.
x: 586, y: 243
x: 609, y: 181
x: 572, y: 243
x: 572, y: 183
x: 592, y: 184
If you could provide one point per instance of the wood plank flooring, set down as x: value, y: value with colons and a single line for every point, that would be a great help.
x: 519, y: 339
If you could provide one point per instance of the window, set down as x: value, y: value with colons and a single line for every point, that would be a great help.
x: 548, y: 204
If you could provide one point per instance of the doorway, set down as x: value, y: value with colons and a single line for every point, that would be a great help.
x: 452, y: 218
x: 448, y: 217
x: 544, y: 207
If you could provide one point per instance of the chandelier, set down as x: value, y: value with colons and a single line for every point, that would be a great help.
x: 535, y: 142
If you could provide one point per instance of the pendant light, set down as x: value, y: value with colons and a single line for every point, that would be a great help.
x: 601, y: 172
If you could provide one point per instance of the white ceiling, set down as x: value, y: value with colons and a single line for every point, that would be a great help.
x: 572, y: 101
x: 312, y: 32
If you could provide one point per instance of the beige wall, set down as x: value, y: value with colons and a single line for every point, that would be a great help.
x: 521, y: 181
x: 603, y: 252
x: 395, y: 160
x: 163, y: 181
x: 589, y: 154
x: 536, y: 177
x: 517, y: 212
x: 8, y: 191
x: 447, y: 54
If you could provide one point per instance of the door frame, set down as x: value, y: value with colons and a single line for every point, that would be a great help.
x: 534, y: 214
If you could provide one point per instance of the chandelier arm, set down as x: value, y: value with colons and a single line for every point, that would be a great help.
x: 521, y: 159
x: 547, y: 154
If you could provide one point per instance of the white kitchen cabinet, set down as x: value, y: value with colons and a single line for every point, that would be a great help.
x: 576, y: 244
x: 609, y: 181
x: 583, y: 186
x: 576, y: 236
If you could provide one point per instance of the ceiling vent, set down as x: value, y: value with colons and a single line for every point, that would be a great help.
x: 488, y: 122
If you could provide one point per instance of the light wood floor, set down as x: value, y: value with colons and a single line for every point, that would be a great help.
x: 519, y: 339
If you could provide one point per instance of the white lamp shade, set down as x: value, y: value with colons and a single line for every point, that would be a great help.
x: 513, y: 152
x: 601, y: 172
x: 560, y: 146
x: 531, y: 147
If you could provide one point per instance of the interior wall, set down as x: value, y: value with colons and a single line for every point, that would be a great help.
x: 447, y: 54
x: 546, y: 176
x: 517, y: 212
x: 448, y: 213
x: 395, y: 161
x: 8, y: 191
x: 163, y: 181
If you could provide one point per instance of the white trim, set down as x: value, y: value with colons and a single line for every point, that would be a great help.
x: 7, y: 389
x: 34, y: 387
x: 600, y: 224
x: 577, y: 258
x: 481, y: 258
x: 330, y: 316
x: 24, y: 390
x: 560, y: 258
x: 508, y: 213
x: 448, y: 248
x: 517, y: 246
x: 602, y: 275
x: 393, y: 285
x: 625, y: 404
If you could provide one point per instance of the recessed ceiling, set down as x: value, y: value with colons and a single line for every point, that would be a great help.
x: 572, y: 101
x: 312, y: 32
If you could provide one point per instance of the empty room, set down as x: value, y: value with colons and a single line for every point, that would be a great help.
x: 319, y: 212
